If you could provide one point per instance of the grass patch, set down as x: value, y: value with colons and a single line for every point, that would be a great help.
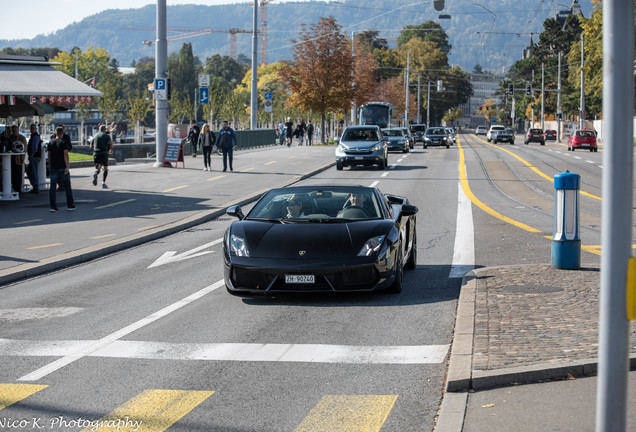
x: 75, y: 157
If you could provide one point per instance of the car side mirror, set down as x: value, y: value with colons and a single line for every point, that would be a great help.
x: 236, y: 212
x: 409, y: 210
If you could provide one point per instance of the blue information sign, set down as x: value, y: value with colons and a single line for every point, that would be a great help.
x: 204, y: 95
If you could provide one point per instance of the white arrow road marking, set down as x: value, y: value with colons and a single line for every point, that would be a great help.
x: 297, y: 353
x: 170, y: 256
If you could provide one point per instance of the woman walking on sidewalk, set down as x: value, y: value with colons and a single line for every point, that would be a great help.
x: 206, y: 141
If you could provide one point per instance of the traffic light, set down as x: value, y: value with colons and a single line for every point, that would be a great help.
x: 438, y: 4
x: 511, y: 89
x: 486, y: 106
x: 528, y: 89
x: 480, y: 107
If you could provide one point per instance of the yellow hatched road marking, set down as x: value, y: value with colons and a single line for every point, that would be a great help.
x: 103, y: 236
x: 216, y: 178
x: 115, y: 204
x: 175, y: 188
x: 152, y: 411
x: 358, y: 413
x: 536, y: 170
x: 45, y: 246
x: 27, y: 222
x: 12, y: 393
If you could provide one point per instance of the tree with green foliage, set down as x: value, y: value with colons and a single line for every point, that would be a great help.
x: 138, y: 108
x: 429, y: 31
x: 320, y: 78
x: 183, y: 73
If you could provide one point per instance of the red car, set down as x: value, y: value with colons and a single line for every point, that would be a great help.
x: 583, y: 139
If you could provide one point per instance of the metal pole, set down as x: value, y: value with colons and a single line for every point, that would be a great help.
x: 582, y: 113
x: 161, y: 71
x: 559, y: 101
x: 542, y: 93
x: 419, y: 113
x: 428, y: 105
x: 406, y: 111
x: 616, y: 225
x: 196, y: 95
x: 254, y: 100
x: 353, y: 102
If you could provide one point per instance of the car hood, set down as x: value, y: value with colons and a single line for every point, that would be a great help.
x: 392, y: 138
x: 309, y: 240
x: 360, y: 144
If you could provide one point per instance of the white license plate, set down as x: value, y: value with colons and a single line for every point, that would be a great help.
x: 359, y: 158
x: 300, y: 279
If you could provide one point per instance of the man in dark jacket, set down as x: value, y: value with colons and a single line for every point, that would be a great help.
x: 226, y: 141
x: 59, y: 169
x: 34, y: 151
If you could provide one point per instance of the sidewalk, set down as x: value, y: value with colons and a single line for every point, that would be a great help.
x: 524, y: 352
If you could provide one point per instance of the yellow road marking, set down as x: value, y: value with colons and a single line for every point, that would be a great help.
x: 466, y: 187
x: 157, y: 410
x: 247, y: 169
x: 12, y: 393
x: 103, y: 236
x: 45, y: 246
x: 175, y: 188
x: 536, y: 170
x: 115, y: 204
x: 358, y: 413
x: 147, y: 227
x: 269, y: 163
x: 27, y: 222
x: 216, y: 178
x: 291, y: 157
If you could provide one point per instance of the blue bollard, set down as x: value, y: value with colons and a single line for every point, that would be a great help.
x: 566, y: 245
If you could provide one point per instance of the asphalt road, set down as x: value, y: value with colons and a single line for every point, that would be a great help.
x: 137, y: 337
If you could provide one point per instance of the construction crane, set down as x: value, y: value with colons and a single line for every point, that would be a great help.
x: 263, y: 29
x: 189, y: 32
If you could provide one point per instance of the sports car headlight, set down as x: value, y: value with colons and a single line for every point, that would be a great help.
x: 371, y: 246
x: 238, y: 246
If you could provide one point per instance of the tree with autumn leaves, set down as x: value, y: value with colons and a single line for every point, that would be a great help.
x: 325, y: 75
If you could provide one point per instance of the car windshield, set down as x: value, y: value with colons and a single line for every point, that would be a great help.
x: 436, y: 131
x: 392, y: 132
x: 536, y: 131
x: 360, y: 135
x: 583, y: 133
x: 420, y: 128
x: 311, y: 205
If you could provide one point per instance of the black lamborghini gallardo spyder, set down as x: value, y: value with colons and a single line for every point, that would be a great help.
x: 320, y: 239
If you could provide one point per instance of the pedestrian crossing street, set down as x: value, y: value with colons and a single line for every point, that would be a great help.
x: 157, y: 410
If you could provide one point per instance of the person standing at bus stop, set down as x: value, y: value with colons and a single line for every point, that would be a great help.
x: 34, y: 151
x: 59, y: 169
x: 226, y: 141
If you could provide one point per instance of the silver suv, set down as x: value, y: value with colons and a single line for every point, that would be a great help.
x: 490, y: 136
x: 362, y: 145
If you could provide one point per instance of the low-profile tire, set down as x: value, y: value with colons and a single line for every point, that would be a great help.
x: 412, y: 262
x: 396, y: 286
x: 339, y: 166
x: 381, y: 165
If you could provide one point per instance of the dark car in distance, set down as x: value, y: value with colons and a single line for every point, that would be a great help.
x: 436, y: 136
x: 505, y: 135
x: 418, y: 131
x: 320, y: 239
x: 550, y: 135
x: 534, y: 135
x: 397, y: 139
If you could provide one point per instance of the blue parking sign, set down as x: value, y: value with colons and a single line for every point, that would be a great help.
x: 204, y: 95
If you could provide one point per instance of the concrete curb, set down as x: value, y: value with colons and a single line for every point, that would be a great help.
x: 93, y: 252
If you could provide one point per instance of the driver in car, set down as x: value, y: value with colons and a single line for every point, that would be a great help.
x: 294, y: 207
